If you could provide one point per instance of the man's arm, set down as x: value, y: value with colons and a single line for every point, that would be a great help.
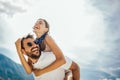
x: 22, y: 58
x: 75, y: 71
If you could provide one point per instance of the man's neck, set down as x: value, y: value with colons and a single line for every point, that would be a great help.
x: 33, y: 60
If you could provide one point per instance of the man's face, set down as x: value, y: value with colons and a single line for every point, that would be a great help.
x: 31, y: 49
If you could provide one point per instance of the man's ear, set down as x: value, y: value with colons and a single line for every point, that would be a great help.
x: 23, y: 51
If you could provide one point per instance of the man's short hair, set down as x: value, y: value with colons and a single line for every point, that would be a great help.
x: 42, y: 45
x: 26, y: 37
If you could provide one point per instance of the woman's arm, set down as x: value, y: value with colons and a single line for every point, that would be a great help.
x: 60, y: 60
x: 22, y: 58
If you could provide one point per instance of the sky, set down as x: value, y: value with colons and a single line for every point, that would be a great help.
x: 87, y: 31
x: 65, y: 21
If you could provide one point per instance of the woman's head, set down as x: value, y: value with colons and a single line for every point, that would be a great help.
x: 41, y: 21
x: 46, y: 23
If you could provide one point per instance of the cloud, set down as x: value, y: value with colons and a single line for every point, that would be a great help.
x: 110, y: 9
x: 111, y: 19
x: 10, y: 9
x: 2, y: 30
x: 109, y: 55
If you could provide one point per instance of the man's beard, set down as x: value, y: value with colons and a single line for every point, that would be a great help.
x: 33, y: 56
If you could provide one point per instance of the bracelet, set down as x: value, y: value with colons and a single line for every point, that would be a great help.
x: 39, y: 40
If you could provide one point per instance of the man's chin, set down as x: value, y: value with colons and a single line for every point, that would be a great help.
x: 35, y: 56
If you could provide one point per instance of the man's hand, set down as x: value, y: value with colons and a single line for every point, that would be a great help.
x: 18, y: 44
x: 40, y: 28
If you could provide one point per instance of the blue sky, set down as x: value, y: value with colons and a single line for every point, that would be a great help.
x: 86, y: 30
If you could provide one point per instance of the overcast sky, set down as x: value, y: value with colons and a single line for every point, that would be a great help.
x: 73, y: 24
x: 85, y: 30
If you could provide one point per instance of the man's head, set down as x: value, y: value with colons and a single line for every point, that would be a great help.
x: 29, y: 47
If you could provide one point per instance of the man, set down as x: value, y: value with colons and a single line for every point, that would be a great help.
x: 56, y: 69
